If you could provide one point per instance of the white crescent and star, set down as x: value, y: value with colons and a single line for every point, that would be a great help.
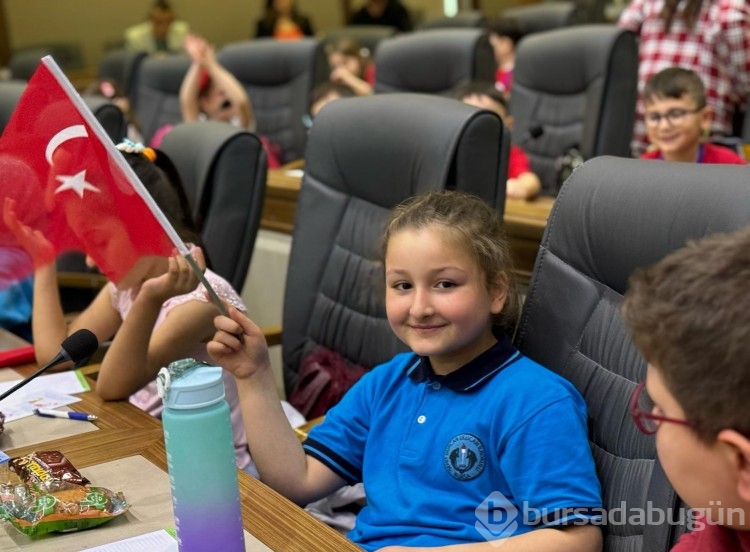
x: 77, y: 183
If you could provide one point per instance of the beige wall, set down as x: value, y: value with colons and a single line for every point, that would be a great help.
x: 95, y: 23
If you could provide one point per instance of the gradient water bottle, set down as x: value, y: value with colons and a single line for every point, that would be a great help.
x: 200, y: 458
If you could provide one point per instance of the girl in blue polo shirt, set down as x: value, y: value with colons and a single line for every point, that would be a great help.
x: 461, y: 441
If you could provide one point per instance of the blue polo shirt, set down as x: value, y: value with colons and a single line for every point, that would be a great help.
x: 494, y: 449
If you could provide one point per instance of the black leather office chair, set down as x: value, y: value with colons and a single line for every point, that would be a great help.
x: 108, y: 114
x: 579, y: 86
x: 121, y: 66
x: 433, y: 61
x: 10, y: 93
x: 463, y: 19
x: 23, y: 62
x: 612, y: 216
x: 547, y: 16
x: 368, y: 36
x: 364, y: 156
x: 279, y: 77
x: 157, y: 95
x: 223, y: 170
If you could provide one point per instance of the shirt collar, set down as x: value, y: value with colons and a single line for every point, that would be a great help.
x: 472, y: 374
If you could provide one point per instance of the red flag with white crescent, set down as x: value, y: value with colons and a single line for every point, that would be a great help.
x: 70, y: 182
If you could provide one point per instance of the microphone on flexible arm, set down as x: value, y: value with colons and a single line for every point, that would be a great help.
x: 77, y: 346
x: 532, y: 133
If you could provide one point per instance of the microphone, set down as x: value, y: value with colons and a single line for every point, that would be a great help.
x: 532, y: 133
x: 77, y: 346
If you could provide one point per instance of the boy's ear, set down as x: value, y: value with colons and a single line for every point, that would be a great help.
x: 707, y: 115
x: 738, y: 448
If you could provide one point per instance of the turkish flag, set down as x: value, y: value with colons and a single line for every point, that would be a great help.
x: 70, y: 183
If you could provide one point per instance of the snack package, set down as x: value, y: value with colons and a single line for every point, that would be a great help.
x: 42, y: 468
x: 53, y: 496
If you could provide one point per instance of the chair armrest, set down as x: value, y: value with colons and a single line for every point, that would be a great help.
x: 272, y: 335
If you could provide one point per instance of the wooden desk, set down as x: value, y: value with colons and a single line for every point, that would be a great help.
x: 125, y: 431
x: 525, y: 221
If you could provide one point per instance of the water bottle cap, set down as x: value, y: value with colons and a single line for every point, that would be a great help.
x: 199, y: 386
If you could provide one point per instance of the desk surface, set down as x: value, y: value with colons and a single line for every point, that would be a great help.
x: 525, y: 221
x: 126, y: 431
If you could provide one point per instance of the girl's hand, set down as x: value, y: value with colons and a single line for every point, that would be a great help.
x: 39, y: 248
x: 179, y: 279
x: 242, y: 358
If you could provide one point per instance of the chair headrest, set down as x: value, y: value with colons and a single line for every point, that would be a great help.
x: 553, y: 72
x: 269, y: 62
x: 419, y: 135
x: 164, y: 73
x: 615, y: 209
x: 433, y: 61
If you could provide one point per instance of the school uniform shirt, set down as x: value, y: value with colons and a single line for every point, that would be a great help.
x: 148, y: 399
x: 708, y: 153
x: 714, y: 538
x: 717, y: 48
x: 518, y: 162
x: 445, y: 459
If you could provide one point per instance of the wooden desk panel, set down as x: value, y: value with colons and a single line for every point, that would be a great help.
x: 525, y: 221
x: 125, y: 430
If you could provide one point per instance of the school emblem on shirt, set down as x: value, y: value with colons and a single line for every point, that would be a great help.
x: 464, y: 457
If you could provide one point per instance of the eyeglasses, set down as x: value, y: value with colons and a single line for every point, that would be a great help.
x: 641, y: 409
x: 674, y: 116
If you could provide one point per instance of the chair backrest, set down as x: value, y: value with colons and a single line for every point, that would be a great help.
x: 368, y: 36
x: 468, y: 18
x: 546, y: 16
x: 10, y: 93
x: 364, y: 156
x: 108, y: 114
x: 279, y: 77
x: 612, y: 216
x: 223, y: 170
x: 23, y: 62
x: 157, y: 96
x: 433, y: 61
x: 579, y: 85
x: 121, y: 66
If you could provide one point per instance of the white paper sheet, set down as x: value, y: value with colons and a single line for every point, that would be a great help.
x: 158, y: 541
x: 69, y: 382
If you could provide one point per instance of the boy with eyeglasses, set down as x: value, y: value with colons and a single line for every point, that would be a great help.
x: 677, y: 119
x: 689, y: 316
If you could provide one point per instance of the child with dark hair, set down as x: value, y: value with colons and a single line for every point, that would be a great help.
x: 522, y: 182
x: 350, y: 66
x: 327, y: 92
x: 462, y: 428
x: 678, y: 119
x: 505, y: 32
x: 157, y: 313
x: 689, y: 316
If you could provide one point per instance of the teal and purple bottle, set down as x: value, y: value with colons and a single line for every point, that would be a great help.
x: 200, y: 458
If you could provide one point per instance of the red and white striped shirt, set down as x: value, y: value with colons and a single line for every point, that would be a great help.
x: 717, y: 49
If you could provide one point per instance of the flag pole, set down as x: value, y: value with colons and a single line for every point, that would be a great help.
x: 135, y: 182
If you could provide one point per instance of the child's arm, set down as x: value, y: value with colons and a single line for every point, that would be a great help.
x: 344, y: 76
x: 138, y: 351
x: 234, y: 91
x: 189, y: 105
x: 526, y: 185
x: 585, y: 538
x: 275, y: 448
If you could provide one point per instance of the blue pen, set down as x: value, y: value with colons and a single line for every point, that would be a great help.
x: 65, y: 414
